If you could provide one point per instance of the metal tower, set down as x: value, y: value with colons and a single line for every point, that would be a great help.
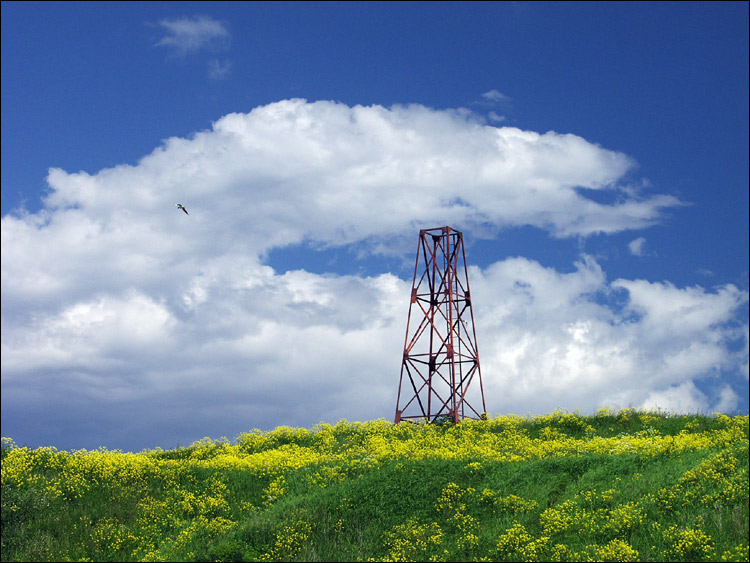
x: 441, y: 358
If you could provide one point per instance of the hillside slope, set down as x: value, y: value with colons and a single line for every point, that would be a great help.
x: 626, y: 486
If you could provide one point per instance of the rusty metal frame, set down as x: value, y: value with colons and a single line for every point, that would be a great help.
x: 441, y: 357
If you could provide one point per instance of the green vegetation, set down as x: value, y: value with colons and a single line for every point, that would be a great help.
x: 625, y: 486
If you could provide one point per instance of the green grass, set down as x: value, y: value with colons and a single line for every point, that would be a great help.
x: 631, y: 485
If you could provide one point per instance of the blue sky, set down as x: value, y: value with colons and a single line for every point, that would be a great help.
x: 595, y: 156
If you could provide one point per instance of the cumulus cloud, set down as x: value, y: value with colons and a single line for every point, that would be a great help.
x: 554, y: 340
x: 348, y: 173
x: 681, y: 399
x: 127, y: 323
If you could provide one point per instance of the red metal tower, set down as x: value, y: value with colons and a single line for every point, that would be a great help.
x: 441, y: 358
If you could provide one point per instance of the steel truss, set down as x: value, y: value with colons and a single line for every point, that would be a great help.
x: 441, y: 358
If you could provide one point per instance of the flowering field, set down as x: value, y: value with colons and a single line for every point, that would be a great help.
x: 625, y: 486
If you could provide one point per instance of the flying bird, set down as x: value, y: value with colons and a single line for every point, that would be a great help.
x: 179, y: 205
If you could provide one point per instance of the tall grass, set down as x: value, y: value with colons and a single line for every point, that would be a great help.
x: 625, y: 486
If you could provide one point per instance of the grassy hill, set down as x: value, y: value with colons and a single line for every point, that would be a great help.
x: 625, y: 486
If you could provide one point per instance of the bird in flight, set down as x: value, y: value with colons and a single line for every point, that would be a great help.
x: 179, y: 205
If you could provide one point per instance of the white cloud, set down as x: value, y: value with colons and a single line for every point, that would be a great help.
x: 218, y: 70
x: 496, y: 118
x: 728, y: 400
x: 681, y: 399
x: 636, y: 246
x: 188, y: 35
x: 411, y: 164
x: 168, y: 327
x: 548, y: 342
x: 495, y: 96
